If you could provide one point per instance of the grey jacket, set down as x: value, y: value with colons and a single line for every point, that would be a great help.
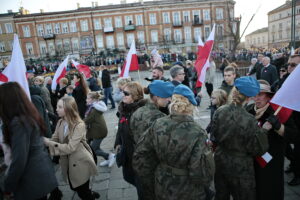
x: 31, y: 174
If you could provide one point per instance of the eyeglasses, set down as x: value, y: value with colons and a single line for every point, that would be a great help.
x: 292, y: 64
x: 282, y: 70
x: 126, y: 93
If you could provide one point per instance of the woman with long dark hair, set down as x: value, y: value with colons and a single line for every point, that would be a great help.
x: 80, y: 92
x: 30, y: 174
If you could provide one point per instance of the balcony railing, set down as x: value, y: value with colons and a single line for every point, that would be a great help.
x: 129, y: 27
x: 49, y: 36
x: 177, y: 23
x: 197, y: 22
x: 108, y: 29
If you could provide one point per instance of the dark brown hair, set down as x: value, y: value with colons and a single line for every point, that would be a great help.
x: 82, y: 82
x: 15, y: 103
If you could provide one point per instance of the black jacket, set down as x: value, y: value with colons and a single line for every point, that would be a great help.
x: 80, y: 99
x: 269, y: 74
x: 227, y: 88
x: 257, y: 69
x: 106, y: 82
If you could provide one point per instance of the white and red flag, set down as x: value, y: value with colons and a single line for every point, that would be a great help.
x: 82, y: 68
x: 264, y: 159
x: 15, y: 71
x: 60, y: 73
x: 131, y: 62
x: 202, y: 62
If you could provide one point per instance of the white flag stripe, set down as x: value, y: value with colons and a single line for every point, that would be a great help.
x: 212, y: 34
x: 200, y: 42
x: 267, y: 157
x: 203, y: 71
x: 289, y: 89
x: 58, y: 72
x: 132, y: 51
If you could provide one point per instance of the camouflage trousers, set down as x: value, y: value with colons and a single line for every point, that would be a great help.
x: 238, y: 188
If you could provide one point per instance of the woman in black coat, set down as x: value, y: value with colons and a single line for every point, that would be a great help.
x: 80, y: 92
x: 30, y: 174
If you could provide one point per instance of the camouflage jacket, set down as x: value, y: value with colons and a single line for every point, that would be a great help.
x: 238, y: 139
x: 173, y: 160
x: 143, y: 118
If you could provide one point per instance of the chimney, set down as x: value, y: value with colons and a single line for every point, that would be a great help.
x: 9, y: 11
x: 78, y: 5
x: 41, y: 10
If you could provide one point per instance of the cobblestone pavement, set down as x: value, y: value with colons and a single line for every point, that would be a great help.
x: 109, y: 181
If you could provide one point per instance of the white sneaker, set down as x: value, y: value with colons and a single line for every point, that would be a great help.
x: 104, y: 163
x: 111, y: 159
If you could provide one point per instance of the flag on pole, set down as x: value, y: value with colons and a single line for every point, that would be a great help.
x: 131, y: 62
x: 202, y: 62
x: 284, y: 114
x: 288, y: 96
x: 15, y: 71
x: 60, y: 73
x: 82, y: 68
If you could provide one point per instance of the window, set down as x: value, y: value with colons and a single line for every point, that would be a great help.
x: 65, y: 28
x: 67, y: 46
x: 56, y: 29
x: 197, y: 34
x: 187, y: 33
x: 280, y: 26
x: 86, y: 42
x: 219, y: 13
x: 280, y: 35
x: 263, y: 39
x: 177, y: 35
x: 97, y: 24
x: 8, y: 28
x: 99, y: 41
x: 51, y: 49
x: 166, y: 18
x: 107, y: 23
x: 206, y: 15
x: 73, y: 27
x: 128, y: 20
x: 130, y: 38
x: 206, y: 31
x: 84, y: 25
x: 75, y: 44
x: 258, y: 40
x: 141, y: 37
x: 110, y: 42
x: 59, y: 46
x: 40, y: 30
x: 196, y: 16
x: 26, y: 31
x: 139, y: 20
x: 152, y: 17
x: 49, y: 28
x: 186, y: 16
x: 154, y: 36
x: 118, y: 22
x: 176, y: 18
x: 43, y: 48
x: 167, y: 34
x: 220, y: 31
x: 2, y: 47
x: 120, y: 39
x: 29, y: 48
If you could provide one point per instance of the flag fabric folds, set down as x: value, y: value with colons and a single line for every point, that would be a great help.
x: 82, y: 68
x: 131, y: 62
x: 60, y: 73
x: 15, y: 71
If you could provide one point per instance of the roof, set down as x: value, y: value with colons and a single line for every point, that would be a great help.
x: 265, y: 29
x: 286, y: 5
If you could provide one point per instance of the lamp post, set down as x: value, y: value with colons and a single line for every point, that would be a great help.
x: 293, y: 23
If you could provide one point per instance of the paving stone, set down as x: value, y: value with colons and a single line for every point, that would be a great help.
x: 114, y: 194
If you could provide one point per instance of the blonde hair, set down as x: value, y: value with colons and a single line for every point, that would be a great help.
x: 122, y: 81
x: 136, y: 90
x: 47, y: 80
x: 181, y: 105
x: 221, y: 97
x: 64, y: 81
x: 236, y: 97
x: 71, y: 111
x: 95, y: 95
x: 40, y: 78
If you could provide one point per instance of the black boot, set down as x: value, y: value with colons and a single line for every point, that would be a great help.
x: 56, y: 194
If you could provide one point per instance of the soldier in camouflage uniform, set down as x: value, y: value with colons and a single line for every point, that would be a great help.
x: 172, y: 158
x: 142, y: 118
x: 238, y: 139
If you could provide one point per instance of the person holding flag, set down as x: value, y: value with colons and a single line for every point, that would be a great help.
x: 269, y: 168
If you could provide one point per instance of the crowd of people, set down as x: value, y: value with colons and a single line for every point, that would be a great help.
x: 162, y: 150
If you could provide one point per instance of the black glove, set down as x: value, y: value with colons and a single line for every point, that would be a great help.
x: 274, y: 121
x: 148, y: 79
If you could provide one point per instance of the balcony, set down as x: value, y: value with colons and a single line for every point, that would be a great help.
x: 177, y: 23
x: 49, y: 37
x: 130, y: 27
x: 108, y: 29
x: 198, y: 22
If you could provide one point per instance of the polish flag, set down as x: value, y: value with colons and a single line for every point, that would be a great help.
x: 131, y: 62
x: 15, y: 71
x: 284, y: 114
x: 82, y: 68
x: 264, y: 159
x: 60, y: 73
x: 202, y: 62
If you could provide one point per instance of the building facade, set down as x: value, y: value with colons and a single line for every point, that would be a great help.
x: 257, y: 39
x: 172, y: 26
x: 7, y: 30
x: 279, y: 23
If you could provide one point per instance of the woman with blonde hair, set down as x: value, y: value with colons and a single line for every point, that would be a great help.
x: 238, y: 140
x: 69, y: 142
x: 45, y: 94
x: 121, y: 82
x: 171, y: 158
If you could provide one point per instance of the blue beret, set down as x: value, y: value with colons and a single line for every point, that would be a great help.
x: 30, y: 71
x: 247, y: 85
x: 186, y: 92
x: 161, y: 88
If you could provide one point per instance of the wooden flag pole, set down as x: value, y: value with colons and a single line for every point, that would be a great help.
x: 278, y: 110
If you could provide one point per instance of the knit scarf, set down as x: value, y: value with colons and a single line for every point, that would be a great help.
x: 260, y: 111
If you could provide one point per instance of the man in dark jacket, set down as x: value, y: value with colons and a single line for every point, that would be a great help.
x: 106, y: 84
x: 257, y: 67
x: 268, y: 72
x: 229, y: 77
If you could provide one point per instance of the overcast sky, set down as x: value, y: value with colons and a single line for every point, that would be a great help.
x: 245, y: 8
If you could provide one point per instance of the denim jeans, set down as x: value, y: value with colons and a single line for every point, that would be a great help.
x: 95, y: 144
x: 107, y: 95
